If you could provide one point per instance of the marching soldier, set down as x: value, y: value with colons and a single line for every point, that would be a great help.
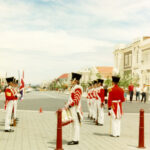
x: 9, y: 102
x: 115, y: 99
x: 74, y: 104
x: 100, y: 102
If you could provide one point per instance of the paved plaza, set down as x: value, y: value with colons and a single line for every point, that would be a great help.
x: 37, y: 131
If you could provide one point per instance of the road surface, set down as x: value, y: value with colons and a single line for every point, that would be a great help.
x: 51, y: 101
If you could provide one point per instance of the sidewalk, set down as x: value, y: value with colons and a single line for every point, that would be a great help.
x: 37, y: 131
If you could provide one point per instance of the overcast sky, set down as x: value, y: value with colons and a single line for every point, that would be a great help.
x: 46, y: 38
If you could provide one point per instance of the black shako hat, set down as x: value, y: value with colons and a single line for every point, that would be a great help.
x: 115, y: 79
x: 100, y: 81
x: 16, y: 82
x: 89, y: 84
x: 10, y: 79
x: 95, y: 82
x: 76, y: 76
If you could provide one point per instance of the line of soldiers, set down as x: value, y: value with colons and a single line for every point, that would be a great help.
x: 95, y: 102
x: 12, y: 95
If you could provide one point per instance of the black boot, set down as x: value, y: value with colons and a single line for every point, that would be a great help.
x: 73, y: 142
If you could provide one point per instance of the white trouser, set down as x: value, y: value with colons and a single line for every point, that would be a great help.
x: 89, y: 105
x: 8, y: 114
x: 116, y: 126
x: 75, y: 125
x: 100, y: 113
x: 15, y: 108
x: 95, y: 109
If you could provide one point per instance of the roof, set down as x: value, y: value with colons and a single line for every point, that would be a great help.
x: 63, y: 76
x: 105, y: 71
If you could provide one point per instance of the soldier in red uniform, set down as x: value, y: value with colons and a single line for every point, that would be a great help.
x: 9, y: 102
x: 74, y: 104
x: 100, y: 104
x: 115, y: 99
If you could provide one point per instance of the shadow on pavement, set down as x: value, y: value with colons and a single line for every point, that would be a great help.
x: 102, y: 134
x: 133, y: 146
x: 54, y: 142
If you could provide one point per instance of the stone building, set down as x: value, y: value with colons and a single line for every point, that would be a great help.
x: 134, y: 59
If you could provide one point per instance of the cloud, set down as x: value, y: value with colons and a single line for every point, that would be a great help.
x: 54, y: 42
x: 50, y: 37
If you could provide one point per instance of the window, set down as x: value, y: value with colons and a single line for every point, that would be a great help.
x: 128, y: 59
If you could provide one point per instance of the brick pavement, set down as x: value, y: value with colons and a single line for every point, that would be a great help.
x: 37, y: 131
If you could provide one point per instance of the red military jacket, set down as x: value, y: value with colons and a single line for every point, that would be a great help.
x: 88, y: 94
x: 92, y: 93
x: 116, y: 94
x: 9, y: 94
x: 101, y: 94
x: 75, y: 95
x: 15, y: 93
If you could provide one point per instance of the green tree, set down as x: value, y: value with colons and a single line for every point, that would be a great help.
x: 108, y: 82
x: 98, y: 75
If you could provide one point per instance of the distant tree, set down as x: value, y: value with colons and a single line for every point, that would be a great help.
x: 127, y: 79
x: 98, y: 75
x: 108, y: 82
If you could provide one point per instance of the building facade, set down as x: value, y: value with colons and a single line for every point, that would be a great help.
x: 134, y: 59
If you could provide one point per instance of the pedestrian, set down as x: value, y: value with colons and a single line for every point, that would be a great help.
x: 138, y: 90
x: 144, y: 90
x: 115, y: 99
x: 9, y: 103
x: 131, y: 89
x: 74, y: 104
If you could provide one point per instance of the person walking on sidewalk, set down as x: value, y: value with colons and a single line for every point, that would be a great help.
x: 115, y: 99
x: 138, y: 90
x: 144, y: 90
x: 131, y: 89
x: 9, y: 103
x: 74, y: 104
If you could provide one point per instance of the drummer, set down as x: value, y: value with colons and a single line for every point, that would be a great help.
x: 74, y: 104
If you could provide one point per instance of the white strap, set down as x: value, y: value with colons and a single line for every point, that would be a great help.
x: 116, y: 101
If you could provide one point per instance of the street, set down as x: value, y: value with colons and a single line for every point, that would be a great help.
x: 36, y: 131
x: 51, y: 101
